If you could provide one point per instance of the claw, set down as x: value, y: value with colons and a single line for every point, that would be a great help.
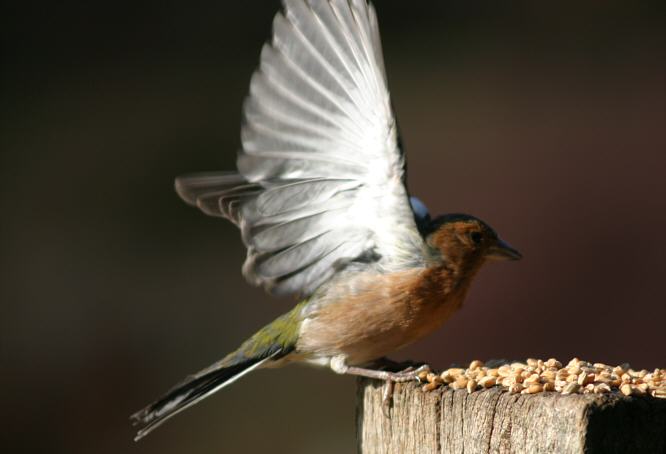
x: 387, y: 398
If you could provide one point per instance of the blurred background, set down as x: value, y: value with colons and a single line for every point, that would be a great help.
x: 545, y: 119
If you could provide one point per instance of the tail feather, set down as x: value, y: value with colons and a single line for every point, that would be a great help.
x: 191, y: 391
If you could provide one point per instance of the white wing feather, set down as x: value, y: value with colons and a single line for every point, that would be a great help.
x: 320, y: 154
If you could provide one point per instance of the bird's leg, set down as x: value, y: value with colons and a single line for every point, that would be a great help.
x: 385, y: 363
x: 390, y: 378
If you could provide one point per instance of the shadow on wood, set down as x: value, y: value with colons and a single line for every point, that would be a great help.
x: 447, y: 421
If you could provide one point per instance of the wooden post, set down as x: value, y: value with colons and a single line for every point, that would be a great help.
x: 447, y: 421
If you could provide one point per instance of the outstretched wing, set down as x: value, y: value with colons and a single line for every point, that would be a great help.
x: 320, y: 157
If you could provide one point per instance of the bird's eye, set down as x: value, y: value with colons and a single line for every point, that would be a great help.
x: 476, y: 237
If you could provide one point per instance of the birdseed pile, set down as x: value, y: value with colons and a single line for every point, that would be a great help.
x: 536, y: 376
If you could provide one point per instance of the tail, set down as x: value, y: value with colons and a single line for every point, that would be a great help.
x: 272, y: 342
x: 192, y: 390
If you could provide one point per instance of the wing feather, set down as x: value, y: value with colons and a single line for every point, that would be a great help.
x: 321, y: 173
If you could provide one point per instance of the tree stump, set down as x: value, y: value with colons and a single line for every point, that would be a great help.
x: 448, y: 421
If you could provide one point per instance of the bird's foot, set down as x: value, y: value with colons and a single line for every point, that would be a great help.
x: 408, y: 374
x: 390, y: 378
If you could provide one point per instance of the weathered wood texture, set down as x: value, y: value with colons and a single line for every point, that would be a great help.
x: 494, y: 421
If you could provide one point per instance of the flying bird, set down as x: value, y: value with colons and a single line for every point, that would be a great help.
x: 321, y: 202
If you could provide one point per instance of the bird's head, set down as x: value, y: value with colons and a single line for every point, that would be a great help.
x: 468, y: 240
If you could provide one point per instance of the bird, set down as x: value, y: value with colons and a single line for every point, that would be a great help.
x: 320, y: 197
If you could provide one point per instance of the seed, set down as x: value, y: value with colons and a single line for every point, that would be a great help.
x: 571, y: 388
x: 460, y: 383
x: 475, y: 364
x: 432, y: 378
x: 456, y: 371
x: 487, y: 382
x: 602, y: 378
x: 535, y: 388
x: 659, y: 393
x: 430, y: 386
x: 602, y: 388
x: 552, y: 362
x: 548, y: 375
x: 584, y: 379
x: 534, y: 378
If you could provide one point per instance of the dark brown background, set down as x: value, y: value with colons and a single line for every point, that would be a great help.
x: 545, y: 119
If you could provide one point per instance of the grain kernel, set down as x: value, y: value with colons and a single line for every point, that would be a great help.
x: 456, y: 371
x: 516, y: 388
x: 447, y: 377
x: 626, y: 389
x: 460, y: 383
x: 571, y: 388
x: 549, y: 386
x: 585, y: 378
x: 534, y: 388
x: 430, y: 386
x: 534, y: 378
x: 659, y: 393
x: 548, y: 375
x: 475, y: 364
x: 602, y: 388
x: 471, y: 386
x: 423, y: 376
x: 488, y: 382
x: 552, y: 362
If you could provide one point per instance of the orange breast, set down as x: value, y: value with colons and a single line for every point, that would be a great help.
x: 382, y: 314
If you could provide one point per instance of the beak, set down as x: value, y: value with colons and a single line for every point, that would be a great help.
x: 503, y: 251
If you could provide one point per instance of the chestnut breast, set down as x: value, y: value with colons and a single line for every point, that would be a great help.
x: 373, y: 316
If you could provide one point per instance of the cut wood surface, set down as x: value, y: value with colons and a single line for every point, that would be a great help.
x: 448, y: 421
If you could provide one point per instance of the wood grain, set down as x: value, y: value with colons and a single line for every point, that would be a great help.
x: 447, y: 421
